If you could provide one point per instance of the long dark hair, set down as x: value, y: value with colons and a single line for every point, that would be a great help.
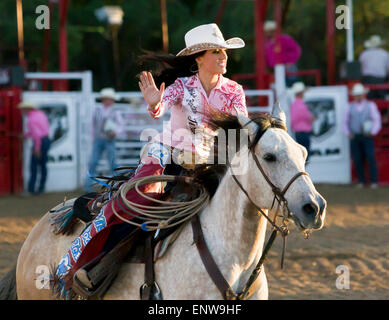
x: 170, y: 67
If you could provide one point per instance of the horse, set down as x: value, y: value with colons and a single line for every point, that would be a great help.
x: 233, y: 229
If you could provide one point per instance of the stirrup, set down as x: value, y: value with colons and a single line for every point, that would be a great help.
x: 84, y: 287
x: 150, y: 292
x: 82, y: 276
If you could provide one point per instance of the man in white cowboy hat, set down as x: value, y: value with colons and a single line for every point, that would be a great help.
x: 374, y: 65
x: 361, y: 122
x: 288, y: 53
x: 301, y: 118
x: 107, y: 123
x: 38, y: 129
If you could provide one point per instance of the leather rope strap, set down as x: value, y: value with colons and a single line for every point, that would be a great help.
x: 145, y: 291
x: 214, y: 271
x: 150, y: 289
x: 248, y: 288
x: 208, y: 261
x: 149, y: 264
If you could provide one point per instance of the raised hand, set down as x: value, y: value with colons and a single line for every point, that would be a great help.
x: 150, y: 92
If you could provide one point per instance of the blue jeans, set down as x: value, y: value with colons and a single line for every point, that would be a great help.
x: 40, y: 163
x: 99, y: 145
x: 304, y: 139
x: 362, y: 148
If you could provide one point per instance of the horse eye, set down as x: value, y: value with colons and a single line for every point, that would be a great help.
x: 269, y: 157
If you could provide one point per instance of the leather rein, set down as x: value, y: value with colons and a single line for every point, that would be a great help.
x: 210, y: 264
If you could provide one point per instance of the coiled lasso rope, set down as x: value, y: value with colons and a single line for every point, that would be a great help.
x: 167, y: 213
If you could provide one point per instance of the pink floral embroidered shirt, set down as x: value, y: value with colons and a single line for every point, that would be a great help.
x: 187, y: 101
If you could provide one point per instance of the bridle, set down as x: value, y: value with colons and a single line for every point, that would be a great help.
x: 209, y: 263
x: 279, y: 195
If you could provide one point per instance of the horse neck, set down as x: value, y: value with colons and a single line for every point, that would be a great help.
x: 232, y: 226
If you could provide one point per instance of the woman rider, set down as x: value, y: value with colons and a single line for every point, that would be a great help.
x: 194, y: 84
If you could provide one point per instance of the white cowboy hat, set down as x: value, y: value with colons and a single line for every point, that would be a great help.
x: 358, y: 90
x: 108, y: 93
x: 206, y: 37
x: 298, y: 87
x: 27, y: 105
x: 374, y: 42
x: 270, y: 25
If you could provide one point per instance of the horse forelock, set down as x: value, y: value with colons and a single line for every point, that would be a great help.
x: 265, y: 122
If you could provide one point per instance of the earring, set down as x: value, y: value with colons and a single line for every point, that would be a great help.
x: 191, y: 68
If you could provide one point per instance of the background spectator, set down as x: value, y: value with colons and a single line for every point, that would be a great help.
x: 38, y: 130
x: 289, y: 51
x: 107, y: 123
x: 301, y: 118
x: 361, y: 122
x: 374, y: 65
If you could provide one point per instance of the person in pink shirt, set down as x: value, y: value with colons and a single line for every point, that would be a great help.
x: 301, y: 118
x: 38, y: 130
x: 288, y: 52
x: 194, y: 85
x: 361, y: 122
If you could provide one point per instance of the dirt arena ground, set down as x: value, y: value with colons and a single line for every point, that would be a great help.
x: 355, y: 236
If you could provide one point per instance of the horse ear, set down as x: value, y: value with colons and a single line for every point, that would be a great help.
x: 248, y: 124
x: 278, y: 113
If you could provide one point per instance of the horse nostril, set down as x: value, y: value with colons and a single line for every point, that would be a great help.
x: 322, y: 205
x: 310, y: 209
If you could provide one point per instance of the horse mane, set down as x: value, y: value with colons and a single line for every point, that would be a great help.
x: 210, y: 175
x: 219, y: 120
